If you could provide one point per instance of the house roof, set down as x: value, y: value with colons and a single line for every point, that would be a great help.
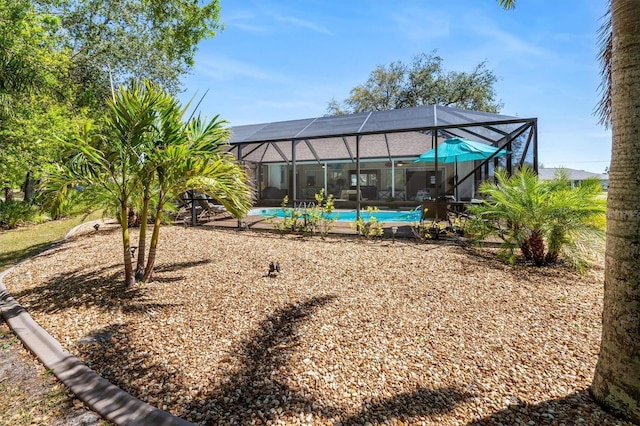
x: 572, y: 174
x: 406, y: 132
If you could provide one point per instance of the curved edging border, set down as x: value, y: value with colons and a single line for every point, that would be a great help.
x: 106, y: 399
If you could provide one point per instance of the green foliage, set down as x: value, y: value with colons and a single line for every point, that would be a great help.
x: 431, y: 229
x: 10, y: 343
x: 425, y: 231
x: 322, y: 213
x: 289, y: 221
x: 150, y: 39
x: 71, y: 204
x: 423, y: 82
x: 14, y: 213
x: 32, y: 66
x: 59, y: 58
x: 367, y: 225
x: 544, y: 220
x: 148, y: 155
x: 313, y: 219
x: 29, y: 58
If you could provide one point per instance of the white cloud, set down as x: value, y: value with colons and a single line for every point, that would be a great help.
x: 301, y: 23
x: 245, y: 22
x: 508, y: 42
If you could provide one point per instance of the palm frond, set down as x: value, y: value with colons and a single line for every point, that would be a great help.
x: 605, y: 45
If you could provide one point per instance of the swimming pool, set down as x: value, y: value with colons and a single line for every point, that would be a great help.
x: 347, y: 215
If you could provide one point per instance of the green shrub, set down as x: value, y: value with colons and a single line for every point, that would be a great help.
x: 14, y: 213
x: 545, y: 220
x: 321, y: 213
x: 289, y: 223
x: 308, y: 220
x: 424, y: 231
x: 370, y: 227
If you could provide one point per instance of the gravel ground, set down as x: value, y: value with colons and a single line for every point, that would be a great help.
x: 350, y: 332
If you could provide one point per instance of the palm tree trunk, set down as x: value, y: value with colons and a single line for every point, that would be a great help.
x: 552, y: 257
x: 142, y: 238
x: 526, y: 250
x: 126, y: 245
x: 535, y: 244
x: 616, y: 382
x: 148, y: 273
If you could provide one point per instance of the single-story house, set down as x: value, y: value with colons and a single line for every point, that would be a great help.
x: 575, y: 176
x: 371, y: 155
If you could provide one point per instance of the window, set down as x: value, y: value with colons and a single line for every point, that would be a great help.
x: 367, y: 178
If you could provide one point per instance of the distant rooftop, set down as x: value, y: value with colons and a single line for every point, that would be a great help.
x: 573, y: 174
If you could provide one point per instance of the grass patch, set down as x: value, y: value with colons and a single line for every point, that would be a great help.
x: 23, y: 403
x: 21, y: 243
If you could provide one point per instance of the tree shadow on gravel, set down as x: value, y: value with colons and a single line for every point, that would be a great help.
x: 175, y: 266
x: 421, y: 403
x: 104, y: 289
x: 108, y: 351
x: 576, y: 408
x: 255, y: 392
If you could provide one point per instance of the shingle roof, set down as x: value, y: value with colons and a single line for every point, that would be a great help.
x: 573, y: 174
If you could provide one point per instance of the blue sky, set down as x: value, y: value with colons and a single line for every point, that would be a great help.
x: 286, y: 59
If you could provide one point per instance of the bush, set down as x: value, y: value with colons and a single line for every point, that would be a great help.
x: 309, y: 220
x: 425, y: 231
x: 14, y: 213
x: 370, y: 227
x: 289, y: 222
x: 545, y: 220
x: 321, y: 212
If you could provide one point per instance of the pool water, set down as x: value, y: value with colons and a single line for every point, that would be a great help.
x: 347, y: 215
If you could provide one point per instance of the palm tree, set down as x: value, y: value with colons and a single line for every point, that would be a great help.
x: 190, y: 156
x: 151, y: 154
x: 106, y: 163
x: 616, y: 382
x: 542, y: 219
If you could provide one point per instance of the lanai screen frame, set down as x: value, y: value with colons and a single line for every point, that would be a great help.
x: 252, y: 142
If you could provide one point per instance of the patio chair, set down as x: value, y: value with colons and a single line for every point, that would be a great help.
x: 209, y: 209
x: 350, y: 195
x: 435, y: 211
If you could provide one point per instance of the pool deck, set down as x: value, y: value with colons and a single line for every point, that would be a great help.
x: 340, y: 228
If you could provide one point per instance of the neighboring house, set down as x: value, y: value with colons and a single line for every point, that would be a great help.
x: 575, y: 176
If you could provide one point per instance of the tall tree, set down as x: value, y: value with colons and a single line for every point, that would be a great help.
x: 30, y: 90
x: 68, y: 52
x: 616, y: 382
x: 154, y: 39
x: 187, y: 155
x: 423, y: 82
